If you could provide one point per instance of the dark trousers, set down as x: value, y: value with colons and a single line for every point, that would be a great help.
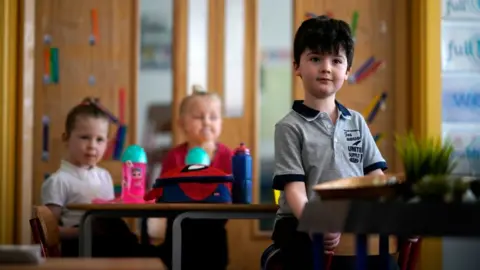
x: 296, y: 250
x: 204, y: 244
x: 111, y: 238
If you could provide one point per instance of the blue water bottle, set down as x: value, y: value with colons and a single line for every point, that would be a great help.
x: 242, y: 175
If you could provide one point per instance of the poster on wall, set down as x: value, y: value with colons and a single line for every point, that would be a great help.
x: 461, y: 9
x: 466, y: 141
x: 461, y: 99
x: 461, y: 47
x: 155, y: 42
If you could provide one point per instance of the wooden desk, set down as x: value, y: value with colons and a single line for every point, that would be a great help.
x: 174, y: 207
x: 189, y: 210
x: 91, y: 264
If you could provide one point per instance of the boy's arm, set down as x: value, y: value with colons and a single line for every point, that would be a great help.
x: 54, y: 195
x: 289, y: 175
x: 296, y: 195
x: 65, y: 232
x: 376, y: 172
x: 373, y: 161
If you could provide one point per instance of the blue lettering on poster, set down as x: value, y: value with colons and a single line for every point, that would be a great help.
x: 461, y: 100
x: 461, y: 6
x: 464, y: 48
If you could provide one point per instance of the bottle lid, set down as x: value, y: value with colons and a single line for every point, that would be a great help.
x: 197, y: 155
x: 242, y: 149
x: 135, y: 154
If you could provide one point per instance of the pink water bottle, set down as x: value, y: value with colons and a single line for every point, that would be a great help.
x: 134, y: 170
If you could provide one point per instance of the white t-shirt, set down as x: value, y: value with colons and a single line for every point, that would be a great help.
x: 71, y: 184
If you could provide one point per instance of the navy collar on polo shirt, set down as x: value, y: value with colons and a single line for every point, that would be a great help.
x: 311, y: 114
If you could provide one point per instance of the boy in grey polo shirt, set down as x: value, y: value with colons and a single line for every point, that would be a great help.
x: 320, y: 139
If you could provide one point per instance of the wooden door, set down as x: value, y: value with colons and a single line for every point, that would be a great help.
x: 102, y: 70
x: 212, y: 32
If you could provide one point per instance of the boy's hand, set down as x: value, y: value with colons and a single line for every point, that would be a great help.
x: 331, y: 241
x: 413, y: 239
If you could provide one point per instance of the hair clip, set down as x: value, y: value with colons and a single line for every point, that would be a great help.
x: 197, y: 88
x: 90, y: 101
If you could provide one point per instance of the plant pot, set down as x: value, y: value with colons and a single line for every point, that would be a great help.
x: 435, y: 198
x: 458, y: 196
x: 405, y: 191
x: 475, y: 188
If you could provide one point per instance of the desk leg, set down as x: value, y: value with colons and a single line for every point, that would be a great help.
x: 318, y: 252
x: 384, y: 252
x: 361, y: 250
x: 177, y: 242
x: 144, y: 237
x: 85, y: 236
x: 177, y: 227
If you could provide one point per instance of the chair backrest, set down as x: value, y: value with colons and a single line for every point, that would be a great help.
x: 409, y: 253
x: 45, y: 231
x: 276, y: 195
x: 37, y: 235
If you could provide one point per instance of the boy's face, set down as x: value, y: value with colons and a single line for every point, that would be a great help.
x: 87, y: 141
x: 322, y: 74
x: 202, y: 120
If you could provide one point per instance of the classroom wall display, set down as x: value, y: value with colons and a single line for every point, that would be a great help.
x: 466, y: 142
x: 461, y: 47
x: 461, y: 99
x: 83, y: 49
x: 461, y: 9
x: 461, y: 87
x: 460, y: 62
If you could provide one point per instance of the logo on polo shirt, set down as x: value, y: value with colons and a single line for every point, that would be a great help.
x: 354, y: 145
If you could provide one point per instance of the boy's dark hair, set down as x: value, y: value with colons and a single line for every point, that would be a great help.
x: 85, y: 109
x: 323, y: 34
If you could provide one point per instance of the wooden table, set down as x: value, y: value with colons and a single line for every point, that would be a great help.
x: 91, y: 264
x: 436, y: 219
x: 188, y: 210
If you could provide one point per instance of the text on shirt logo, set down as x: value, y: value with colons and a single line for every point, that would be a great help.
x: 354, y: 142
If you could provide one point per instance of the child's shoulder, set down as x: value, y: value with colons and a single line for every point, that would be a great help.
x: 57, y: 177
x: 357, y: 120
x: 179, y: 149
x: 291, y: 118
x: 223, y: 148
x: 292, y: 124
x: 103, y: 173
x: 58, y: 180
x: 355, y: 115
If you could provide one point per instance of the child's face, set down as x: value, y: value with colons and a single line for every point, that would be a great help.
x: 87, y: 141
x: 322, y: 74
x: 202, y: 120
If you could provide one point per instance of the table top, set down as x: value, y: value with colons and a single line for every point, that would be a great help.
x: 394, y: 218
x: 176, y: 207
x: 91, y: 264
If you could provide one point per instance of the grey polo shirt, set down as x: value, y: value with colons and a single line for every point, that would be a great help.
x: 310, y: 148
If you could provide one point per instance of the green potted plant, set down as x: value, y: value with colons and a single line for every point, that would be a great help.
x: 427, y: 164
